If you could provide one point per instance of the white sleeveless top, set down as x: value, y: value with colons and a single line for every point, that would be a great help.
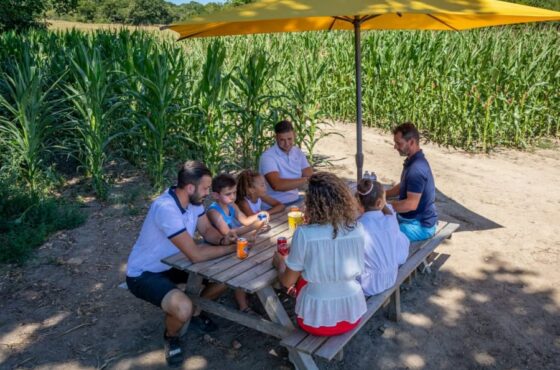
x: 331, y: 267
x: 255, y: 207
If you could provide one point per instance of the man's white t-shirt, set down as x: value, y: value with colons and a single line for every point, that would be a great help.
x: 166, y: 219
x: 288, y: 165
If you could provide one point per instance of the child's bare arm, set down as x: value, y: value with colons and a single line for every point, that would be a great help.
x: 245, y: 208
x: 276, y: 206
x: 242, y: 218
x: 218, y: 221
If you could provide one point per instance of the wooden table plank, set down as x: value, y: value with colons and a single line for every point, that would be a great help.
x: 223, y: 265
x: 250, y: 275
x: 262, y: 281
x: 253, y: 259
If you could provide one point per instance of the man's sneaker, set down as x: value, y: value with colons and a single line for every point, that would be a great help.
x: 173, y: 351
x: 203, y: 323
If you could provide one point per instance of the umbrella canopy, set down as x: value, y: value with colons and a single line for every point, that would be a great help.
x: 268, y: 16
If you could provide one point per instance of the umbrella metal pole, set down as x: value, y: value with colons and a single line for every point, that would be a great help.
x: 358, y: 62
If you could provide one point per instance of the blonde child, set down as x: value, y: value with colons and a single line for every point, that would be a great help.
x: 386, y: 246
x: 225, y: 215
x: 251, y: 194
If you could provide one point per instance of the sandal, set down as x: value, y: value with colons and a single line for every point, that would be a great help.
x: 173, y: 351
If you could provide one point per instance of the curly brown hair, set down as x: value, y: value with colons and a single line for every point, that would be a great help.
x: 329, y: 201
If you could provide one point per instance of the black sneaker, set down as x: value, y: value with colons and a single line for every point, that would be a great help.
x: 173, y: 351
x: 203, y: 323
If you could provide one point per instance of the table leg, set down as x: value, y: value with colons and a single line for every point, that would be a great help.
x: 274, y: 308
x: 277, y: 313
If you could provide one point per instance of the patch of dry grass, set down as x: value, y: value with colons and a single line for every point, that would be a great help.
x: 61, y: 25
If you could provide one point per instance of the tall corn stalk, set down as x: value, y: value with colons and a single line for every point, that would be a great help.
x: 213, y: 136
x: 304, y: 107
x: 253, y: 106
x: 95, y: 104
x: 26, y: 132
x: 161, y: 82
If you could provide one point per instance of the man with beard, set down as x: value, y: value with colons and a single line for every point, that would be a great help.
x: 169, y: 227
x: 415, y: 206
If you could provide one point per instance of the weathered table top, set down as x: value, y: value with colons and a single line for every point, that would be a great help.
x: 251, y: 274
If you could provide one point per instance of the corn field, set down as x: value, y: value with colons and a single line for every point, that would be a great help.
x: 155, y: 102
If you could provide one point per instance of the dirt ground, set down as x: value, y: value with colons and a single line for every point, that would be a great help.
x: 492, y: 300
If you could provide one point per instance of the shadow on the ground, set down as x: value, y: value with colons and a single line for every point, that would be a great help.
x: 452, y: 211
x: 494, y: 320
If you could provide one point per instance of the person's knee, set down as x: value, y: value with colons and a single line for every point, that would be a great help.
x: 178, y: 305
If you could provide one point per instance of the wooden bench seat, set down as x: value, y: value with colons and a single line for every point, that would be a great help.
x: 327, y: 348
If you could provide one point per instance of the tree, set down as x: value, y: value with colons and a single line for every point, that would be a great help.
x: 20, y: 15
x: 115, y: 11
x: 149, y: 12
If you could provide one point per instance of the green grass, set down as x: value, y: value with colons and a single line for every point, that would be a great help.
x: 26, y: 221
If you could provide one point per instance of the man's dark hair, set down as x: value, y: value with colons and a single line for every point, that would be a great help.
x: 191, y: 172
x: 223, y: 181
x: 408, y: 131
x: 282, y: 127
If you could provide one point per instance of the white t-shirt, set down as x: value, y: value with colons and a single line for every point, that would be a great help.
x: 166, y: 219
x: 331, y: 268
x: 255, y: 207
x: 386, y: 248
x: 288, y: 165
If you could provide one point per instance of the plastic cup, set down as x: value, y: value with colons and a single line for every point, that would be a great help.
x: 295, y: 218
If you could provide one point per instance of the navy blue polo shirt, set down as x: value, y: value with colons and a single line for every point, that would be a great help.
x: 417, y: 177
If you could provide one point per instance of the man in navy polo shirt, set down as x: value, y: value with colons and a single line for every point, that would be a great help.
x: 169, y: 228
x: 416, y: 191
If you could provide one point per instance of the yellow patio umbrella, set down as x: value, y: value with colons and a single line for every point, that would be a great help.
x: 267, y: 16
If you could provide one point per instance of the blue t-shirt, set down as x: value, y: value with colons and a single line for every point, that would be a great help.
x: 230, y: 219
x: 417, y: 177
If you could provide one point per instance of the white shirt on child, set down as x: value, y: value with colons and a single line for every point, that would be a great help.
x: 255, y: 207
x: 289, y: 165
x: 386, y: 248
x: 331, y: 268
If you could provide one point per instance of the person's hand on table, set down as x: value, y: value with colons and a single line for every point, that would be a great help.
x: 230, y: 238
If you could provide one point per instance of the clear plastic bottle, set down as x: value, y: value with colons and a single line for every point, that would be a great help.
x: 373, y: 176
x: 366, y: 175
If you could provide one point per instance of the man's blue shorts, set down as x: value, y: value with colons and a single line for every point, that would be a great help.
x: 153, y: 286
x: 413, y: 230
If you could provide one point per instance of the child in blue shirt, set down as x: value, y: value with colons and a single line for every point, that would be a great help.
x: 225, y: 215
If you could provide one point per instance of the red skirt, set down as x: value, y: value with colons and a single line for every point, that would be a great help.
x: 340, y: 327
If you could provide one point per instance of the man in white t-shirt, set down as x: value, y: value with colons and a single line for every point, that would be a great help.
x: 284, y: 166
x: 169, y: 228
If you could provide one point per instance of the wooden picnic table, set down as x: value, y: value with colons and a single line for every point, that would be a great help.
x: 255, y: 275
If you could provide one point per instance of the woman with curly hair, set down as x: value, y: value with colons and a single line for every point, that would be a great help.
x: 326, y: 257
